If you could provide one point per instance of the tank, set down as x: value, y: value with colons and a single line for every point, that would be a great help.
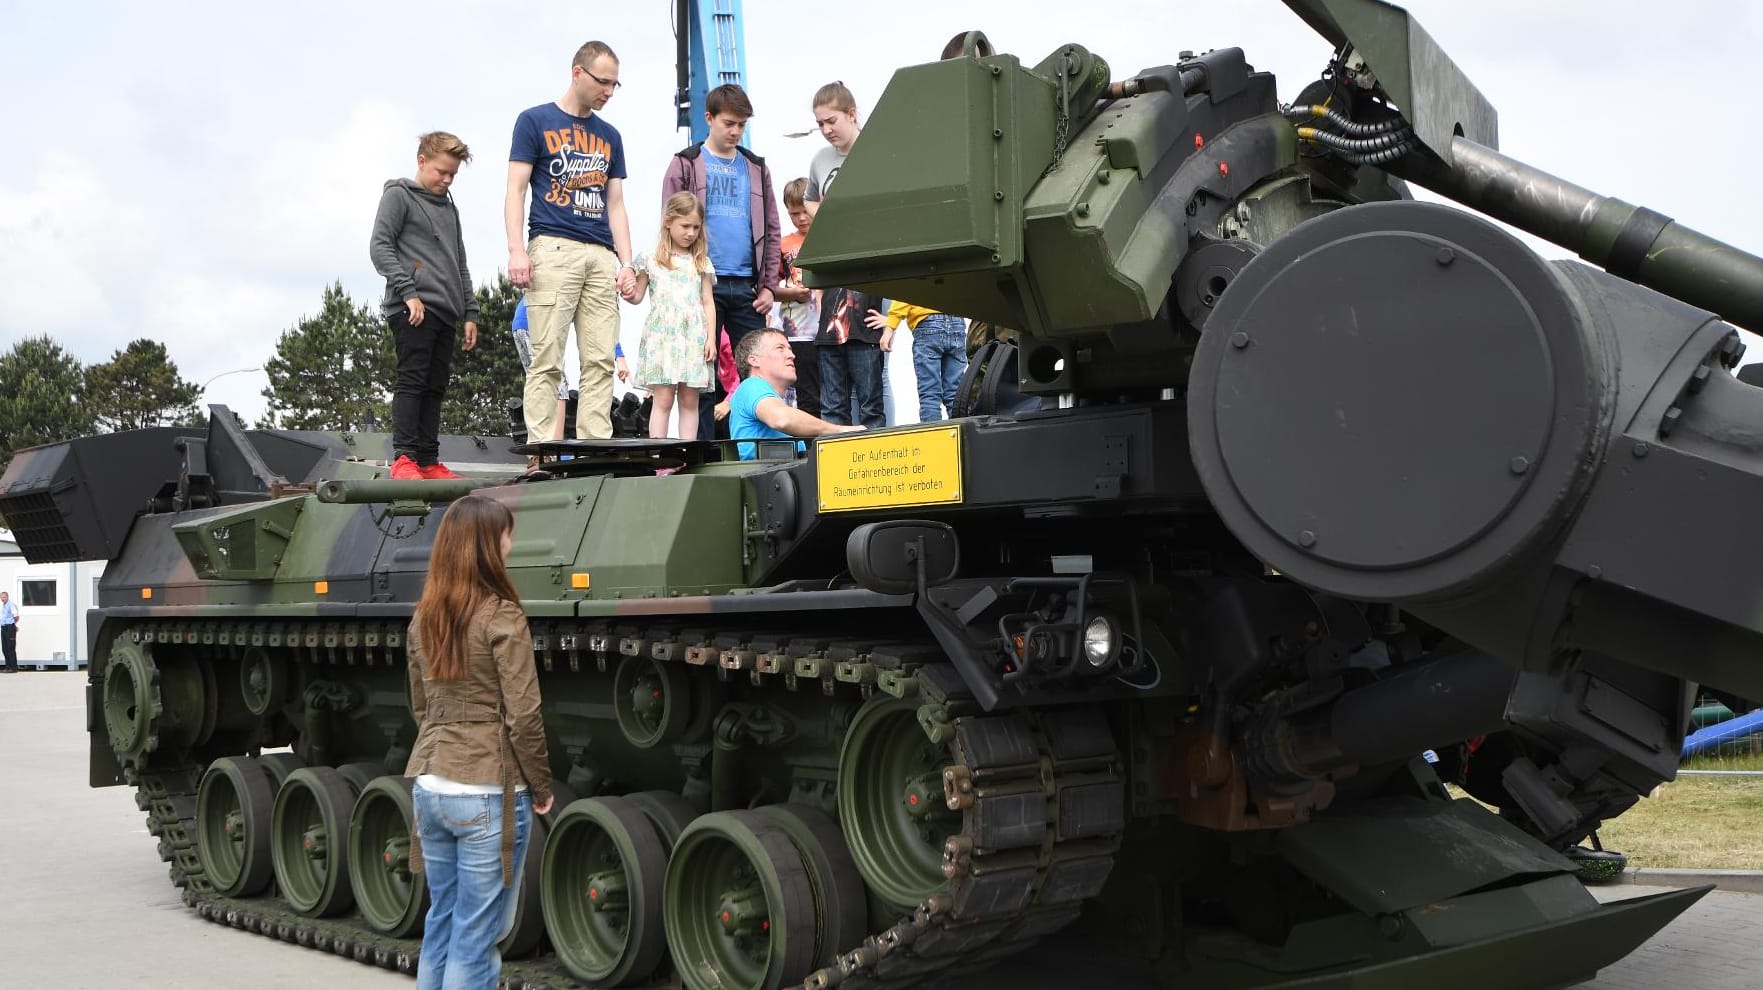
x: 1287, y: 501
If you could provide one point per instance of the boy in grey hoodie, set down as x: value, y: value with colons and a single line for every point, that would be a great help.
x: 418, y: 247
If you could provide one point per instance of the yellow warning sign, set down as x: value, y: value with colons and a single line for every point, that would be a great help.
x: 886, y: 470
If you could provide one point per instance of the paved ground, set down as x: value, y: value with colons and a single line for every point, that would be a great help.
x: 86, y: 901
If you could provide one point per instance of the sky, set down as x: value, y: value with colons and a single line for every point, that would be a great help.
x: 197, y: 173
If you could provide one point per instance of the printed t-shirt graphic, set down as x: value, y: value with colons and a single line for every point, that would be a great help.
x: 729, y: 226
x: 573, y: 159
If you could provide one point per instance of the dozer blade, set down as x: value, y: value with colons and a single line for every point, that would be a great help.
x: 1560, y: 954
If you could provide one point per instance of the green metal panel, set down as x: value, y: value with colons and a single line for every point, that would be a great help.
x: 243, y: 544
x: 548, y: 534
x: 1090, y: 222
x: 939, y: 196
x: 664, y: 537
x: 1424, y: 83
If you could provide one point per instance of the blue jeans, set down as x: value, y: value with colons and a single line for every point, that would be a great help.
x: 939, y: 359
x: 737, y: 318
x: 852, y: 373
x: 469, y: 909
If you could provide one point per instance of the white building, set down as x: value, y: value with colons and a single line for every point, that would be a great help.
x: 52, y: 602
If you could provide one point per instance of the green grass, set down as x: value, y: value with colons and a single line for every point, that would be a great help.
x: 1696, y: 822
x: 1726, y: 761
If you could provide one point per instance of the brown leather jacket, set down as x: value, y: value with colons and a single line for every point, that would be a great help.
x: 484, y: 728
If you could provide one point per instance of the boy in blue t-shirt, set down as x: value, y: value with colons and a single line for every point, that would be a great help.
x: 756, y: 409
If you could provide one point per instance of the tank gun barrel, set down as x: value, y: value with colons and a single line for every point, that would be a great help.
x: 1628, y: 241
x: 382, y: 490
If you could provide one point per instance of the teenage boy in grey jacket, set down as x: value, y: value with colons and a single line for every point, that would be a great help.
x: 418, y: 247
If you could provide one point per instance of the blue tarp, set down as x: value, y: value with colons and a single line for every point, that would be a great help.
x: 1720, y: 732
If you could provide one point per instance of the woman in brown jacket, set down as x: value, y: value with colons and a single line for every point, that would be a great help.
x: 480, y: 761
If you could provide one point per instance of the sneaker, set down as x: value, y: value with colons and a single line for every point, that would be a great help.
x: 437, y: 472
x: 405, y: 469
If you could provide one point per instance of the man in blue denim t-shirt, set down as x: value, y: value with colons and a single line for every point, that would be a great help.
x: 576, y: 260
x: 756, y: 410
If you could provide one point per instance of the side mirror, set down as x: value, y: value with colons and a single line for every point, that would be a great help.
x: 891, y: 558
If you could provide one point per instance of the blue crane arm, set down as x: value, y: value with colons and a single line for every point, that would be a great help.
x: 711, y: 51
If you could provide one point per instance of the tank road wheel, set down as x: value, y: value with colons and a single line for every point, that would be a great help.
x: 601, y: 887
x: 528, y: 929
x: 841, y: 907
x: 279, y: 766
x: 740, y: 905
x: 652, y: 701
x: 359, y: 775
x: 263, y: 681
x: 391, y: 898
x: 668, y: 812
x: 309, y: 839
x: 891, y: 803
x: 234, y: 808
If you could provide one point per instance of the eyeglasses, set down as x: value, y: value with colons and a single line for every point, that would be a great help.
x: 615, y: 84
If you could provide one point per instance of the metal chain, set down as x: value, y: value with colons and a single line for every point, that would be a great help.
x: 1061, y: 118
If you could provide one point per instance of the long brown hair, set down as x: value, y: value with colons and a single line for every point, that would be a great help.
x: 684, y: 204
x: 465, y: 570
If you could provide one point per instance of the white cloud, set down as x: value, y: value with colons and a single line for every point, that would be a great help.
x: 60, y: 236
x: 310, y: 199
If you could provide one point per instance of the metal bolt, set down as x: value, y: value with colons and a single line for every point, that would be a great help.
x: 1083, y: 209
x: 997, y: 133
x: 1307, y: 539
x: 1594, y: 572
x: 1239, y: 340
x: 998, y: 194
x: 1445, y: 256
x: 1640, y: 448
x: 1519, y: 464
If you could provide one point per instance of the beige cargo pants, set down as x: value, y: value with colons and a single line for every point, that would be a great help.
x: 573, y: 282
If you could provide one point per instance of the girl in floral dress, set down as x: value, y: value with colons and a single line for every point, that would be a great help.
x: 679, y: 336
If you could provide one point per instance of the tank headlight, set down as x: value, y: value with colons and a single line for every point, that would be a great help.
x: 1101, y: 641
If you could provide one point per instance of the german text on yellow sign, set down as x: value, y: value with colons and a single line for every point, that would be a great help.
x: 885, y: 470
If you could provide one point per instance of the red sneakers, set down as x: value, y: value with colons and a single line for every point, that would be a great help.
x: 405, y: 469
x: 437, y: 472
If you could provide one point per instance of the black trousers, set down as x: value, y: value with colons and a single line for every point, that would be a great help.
x: 736, y: 317
x: 425, y: 362
x: 807, y: 375
x: 9, y: 645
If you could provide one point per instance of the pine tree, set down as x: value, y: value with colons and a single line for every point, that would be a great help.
x: 333, y: 371
x: 487, y: 376
x: 42, y: 396
x: 140, y: 387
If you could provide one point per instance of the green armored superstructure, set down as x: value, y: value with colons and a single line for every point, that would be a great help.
x: 1280, y: 480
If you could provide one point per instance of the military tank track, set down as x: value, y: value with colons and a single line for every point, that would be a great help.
x: 1018, y: 815
x: 1042, y: 811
